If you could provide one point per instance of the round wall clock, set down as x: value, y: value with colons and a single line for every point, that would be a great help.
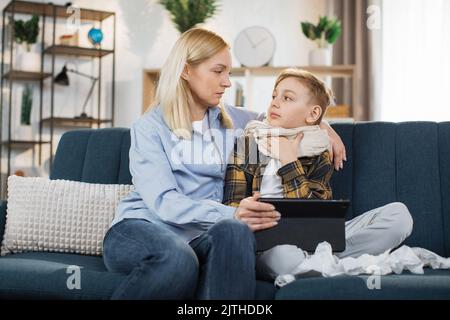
x: 254, y: 46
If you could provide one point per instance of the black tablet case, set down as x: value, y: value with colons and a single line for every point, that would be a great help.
x: 306, y: 223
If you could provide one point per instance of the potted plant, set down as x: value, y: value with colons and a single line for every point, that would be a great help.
x: 325, y: 33
x: 187, y: 14
x: 26, y: 34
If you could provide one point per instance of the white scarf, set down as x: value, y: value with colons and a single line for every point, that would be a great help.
x: 314, y: 141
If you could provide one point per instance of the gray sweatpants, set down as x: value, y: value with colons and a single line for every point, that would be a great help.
x: 372, y: 232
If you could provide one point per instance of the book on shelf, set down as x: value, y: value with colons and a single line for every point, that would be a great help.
x: 338, y: 111
x: 239, y: 99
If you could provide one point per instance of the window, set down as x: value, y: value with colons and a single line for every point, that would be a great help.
x: 416, y: 60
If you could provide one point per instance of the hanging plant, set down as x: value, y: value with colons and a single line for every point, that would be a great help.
x: 187, y: 14
x: 27, y: 31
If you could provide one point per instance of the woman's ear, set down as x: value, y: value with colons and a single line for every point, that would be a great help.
x: 185, y: 73
x: 313, y: 115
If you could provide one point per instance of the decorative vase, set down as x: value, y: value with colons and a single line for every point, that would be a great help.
x: 321, y: 57
x: 28, y: 60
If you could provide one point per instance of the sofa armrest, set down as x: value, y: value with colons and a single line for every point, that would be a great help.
x: 2, y: 218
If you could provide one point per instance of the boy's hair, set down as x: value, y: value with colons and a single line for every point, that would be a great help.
x: 319, y: 93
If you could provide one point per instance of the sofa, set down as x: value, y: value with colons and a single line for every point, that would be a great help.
x: 387, y: 162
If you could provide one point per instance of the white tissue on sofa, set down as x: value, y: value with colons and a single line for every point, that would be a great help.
x: 403, y: 258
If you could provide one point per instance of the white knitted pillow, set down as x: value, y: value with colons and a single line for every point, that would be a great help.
x: 59, y: 215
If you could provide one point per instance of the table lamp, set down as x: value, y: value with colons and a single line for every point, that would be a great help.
x: 63, y: 79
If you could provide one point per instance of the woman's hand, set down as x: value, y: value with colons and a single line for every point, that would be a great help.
x: 285, y: 150
x: 257, y: 215
x: 337, y: 151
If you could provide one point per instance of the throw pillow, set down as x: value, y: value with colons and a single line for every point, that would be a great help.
x: 59, y: 215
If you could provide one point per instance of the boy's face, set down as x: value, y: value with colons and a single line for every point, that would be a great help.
x: 290, y: 106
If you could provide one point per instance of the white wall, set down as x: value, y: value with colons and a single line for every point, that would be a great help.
x: 145, y: 35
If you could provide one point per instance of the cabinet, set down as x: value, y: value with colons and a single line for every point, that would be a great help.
x: 350, y: 111
x: 52, y: 17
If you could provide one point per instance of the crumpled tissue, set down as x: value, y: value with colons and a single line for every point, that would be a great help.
x: 403, y: 258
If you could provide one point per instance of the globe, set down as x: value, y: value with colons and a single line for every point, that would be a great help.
x: 95, y: 36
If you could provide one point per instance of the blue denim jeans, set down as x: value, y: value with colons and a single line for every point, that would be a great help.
x: 160, y: 265
x: 226, y: 253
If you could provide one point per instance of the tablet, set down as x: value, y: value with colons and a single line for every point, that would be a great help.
x: 305, y: 223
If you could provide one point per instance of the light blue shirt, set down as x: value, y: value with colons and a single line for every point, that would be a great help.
x: 179, y: 183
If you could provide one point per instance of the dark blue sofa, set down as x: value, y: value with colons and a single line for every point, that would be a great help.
x: 407, y: 162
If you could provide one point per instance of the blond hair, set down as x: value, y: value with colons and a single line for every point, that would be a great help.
x: 319, y: 93
x: 173, y: 93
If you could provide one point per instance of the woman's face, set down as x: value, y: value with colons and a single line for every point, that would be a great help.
x: 209, y: 79
x: 290, y: 107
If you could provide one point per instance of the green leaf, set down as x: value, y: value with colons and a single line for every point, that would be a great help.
x: 323, y: 23
x: 334, y: 32
x: 27, y: 31
x: 308, y: 30
x: 326, y: 30
x: 187, y: 14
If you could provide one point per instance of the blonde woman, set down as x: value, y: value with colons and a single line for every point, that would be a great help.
x: 172, y: 235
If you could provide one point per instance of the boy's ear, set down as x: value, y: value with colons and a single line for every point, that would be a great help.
x: 185, y: 73
x: 314, y: 115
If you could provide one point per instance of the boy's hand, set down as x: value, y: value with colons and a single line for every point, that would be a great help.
x: 257, y: 215
x: 284, y: 149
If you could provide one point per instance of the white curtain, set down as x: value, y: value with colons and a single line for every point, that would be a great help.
x: 416, y: 60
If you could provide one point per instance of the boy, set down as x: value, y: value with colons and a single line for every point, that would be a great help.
x: 284, y: 156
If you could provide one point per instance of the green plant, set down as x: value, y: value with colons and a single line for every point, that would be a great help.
x: 27, y: 102
x: 27, y: 31
x: 186, y: 14
x: 326, y: 31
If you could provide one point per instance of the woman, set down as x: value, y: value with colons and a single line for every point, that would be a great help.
x: 172, y: 236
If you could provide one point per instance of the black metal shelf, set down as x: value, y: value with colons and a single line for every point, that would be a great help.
x: 50, y: 17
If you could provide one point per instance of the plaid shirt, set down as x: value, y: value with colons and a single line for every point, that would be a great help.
x: 306, y: 178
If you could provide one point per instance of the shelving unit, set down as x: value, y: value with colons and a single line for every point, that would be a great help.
x: 49, y: 15
x: 77, y: 51
x: 72, y: 122
x: 150, y: 78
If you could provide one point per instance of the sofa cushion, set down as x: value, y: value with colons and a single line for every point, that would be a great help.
x: 374, y: 182
x: 39, y: 275
x: 444, y: 171
x: 434, y: 284
x: 418, y: 182
x: 59, y: 215
x: 405, y: 162
x: 342, y: 181
x: 96, y: 156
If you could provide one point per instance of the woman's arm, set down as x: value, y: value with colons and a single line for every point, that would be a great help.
x: 337, y: 151
x: 156, y: 184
